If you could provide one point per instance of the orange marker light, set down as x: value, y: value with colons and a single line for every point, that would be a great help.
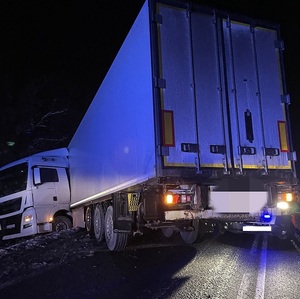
x: 289, y: 197
x: 169, y: 198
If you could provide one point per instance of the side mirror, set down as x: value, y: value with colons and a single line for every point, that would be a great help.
x: 37, y: 176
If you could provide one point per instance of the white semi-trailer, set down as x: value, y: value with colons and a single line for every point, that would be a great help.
x: 189, y: 130
x: 189, y: 127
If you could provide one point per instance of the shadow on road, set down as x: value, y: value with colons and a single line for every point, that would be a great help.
x: 135, y: 272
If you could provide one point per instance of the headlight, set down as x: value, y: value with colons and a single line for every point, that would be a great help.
x: 28, y: 218
x: 283, y: 205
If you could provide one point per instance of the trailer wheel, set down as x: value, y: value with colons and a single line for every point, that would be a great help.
x: 61, y: 223
x: 191, y: 237
x: 89, y: 220
x: 98, y: 223
x: 221, y: 228
x: 114, y: 241
x: 167, y: 232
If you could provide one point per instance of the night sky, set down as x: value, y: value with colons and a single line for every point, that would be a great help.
x: 55, y: 53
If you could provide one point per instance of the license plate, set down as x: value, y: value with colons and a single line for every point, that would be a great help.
x: 255, y: 228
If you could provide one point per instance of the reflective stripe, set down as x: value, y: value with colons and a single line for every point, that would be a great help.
x: 284, y: 147
x: 168, y: 128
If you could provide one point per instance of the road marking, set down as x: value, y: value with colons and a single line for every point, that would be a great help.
x: 295, y: 245
x: 243, y: 290
x: 297, y: 236
x: 245, y: 283
x: 296, y: 239
x: 260, y: 284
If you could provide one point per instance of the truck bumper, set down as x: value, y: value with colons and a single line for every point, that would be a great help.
x: 16, y: 226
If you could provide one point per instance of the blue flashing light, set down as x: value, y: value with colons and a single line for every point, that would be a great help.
x: 266, y: 216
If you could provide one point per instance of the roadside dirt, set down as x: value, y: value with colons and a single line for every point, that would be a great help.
x: 25, y: 257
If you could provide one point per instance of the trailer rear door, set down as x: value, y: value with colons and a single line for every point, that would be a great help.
x: 222, y: 95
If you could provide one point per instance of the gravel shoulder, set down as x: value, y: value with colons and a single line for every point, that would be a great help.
x: 26, y: 257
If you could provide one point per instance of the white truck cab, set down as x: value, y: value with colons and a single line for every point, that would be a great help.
x: 35, y: 195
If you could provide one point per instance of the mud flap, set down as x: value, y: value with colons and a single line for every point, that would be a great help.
x: 284, y: 227
x: 122, y: 226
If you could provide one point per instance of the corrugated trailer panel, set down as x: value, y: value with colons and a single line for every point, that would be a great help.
x: 223, y: 89
x: 176, y: 70
x: 114, y: 144
x: 254, y: 85
x: 209, y: 91
x: 190, y: 66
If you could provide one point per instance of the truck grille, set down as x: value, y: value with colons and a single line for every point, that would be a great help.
x: 10, y: 206
x: 10, y: 225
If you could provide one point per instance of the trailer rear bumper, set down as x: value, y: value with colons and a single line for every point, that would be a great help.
x: 280, y: 225
x: 176, y: 215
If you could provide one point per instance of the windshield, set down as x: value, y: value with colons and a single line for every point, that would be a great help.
x: 13, y: 179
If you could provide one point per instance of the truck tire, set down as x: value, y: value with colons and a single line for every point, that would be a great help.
x: 61, y: 223
x: 168, y: 232
x: 89, y: 220
x: 284, y: 222
x: 221, y: 228
x: 191, y: 237
x: 114, y: 241
x: 98, y: 223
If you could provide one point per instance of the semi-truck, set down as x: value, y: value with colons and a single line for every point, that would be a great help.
x: 35, y: 195
x: 188, y: 132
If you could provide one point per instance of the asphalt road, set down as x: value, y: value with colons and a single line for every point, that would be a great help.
x: 219, y: 266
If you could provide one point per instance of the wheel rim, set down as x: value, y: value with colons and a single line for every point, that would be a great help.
x: 98, y: 223
x: 61, y: 226
x: 97, y: 229
x: 114, y: 241
x: 221, y: 228
x: 109, y: 228
x: 88, y: 219
x: 167, y: 232
x: 190, y: 237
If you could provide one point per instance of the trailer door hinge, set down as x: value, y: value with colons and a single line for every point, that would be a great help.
x: 292, y: 156
x: 159, y: 82
x: 279, y: 44
x: 228, y: 22
x: 285, y: 99
x: 164, y: 151
x: 157, y: 18
x: 188, y: 11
